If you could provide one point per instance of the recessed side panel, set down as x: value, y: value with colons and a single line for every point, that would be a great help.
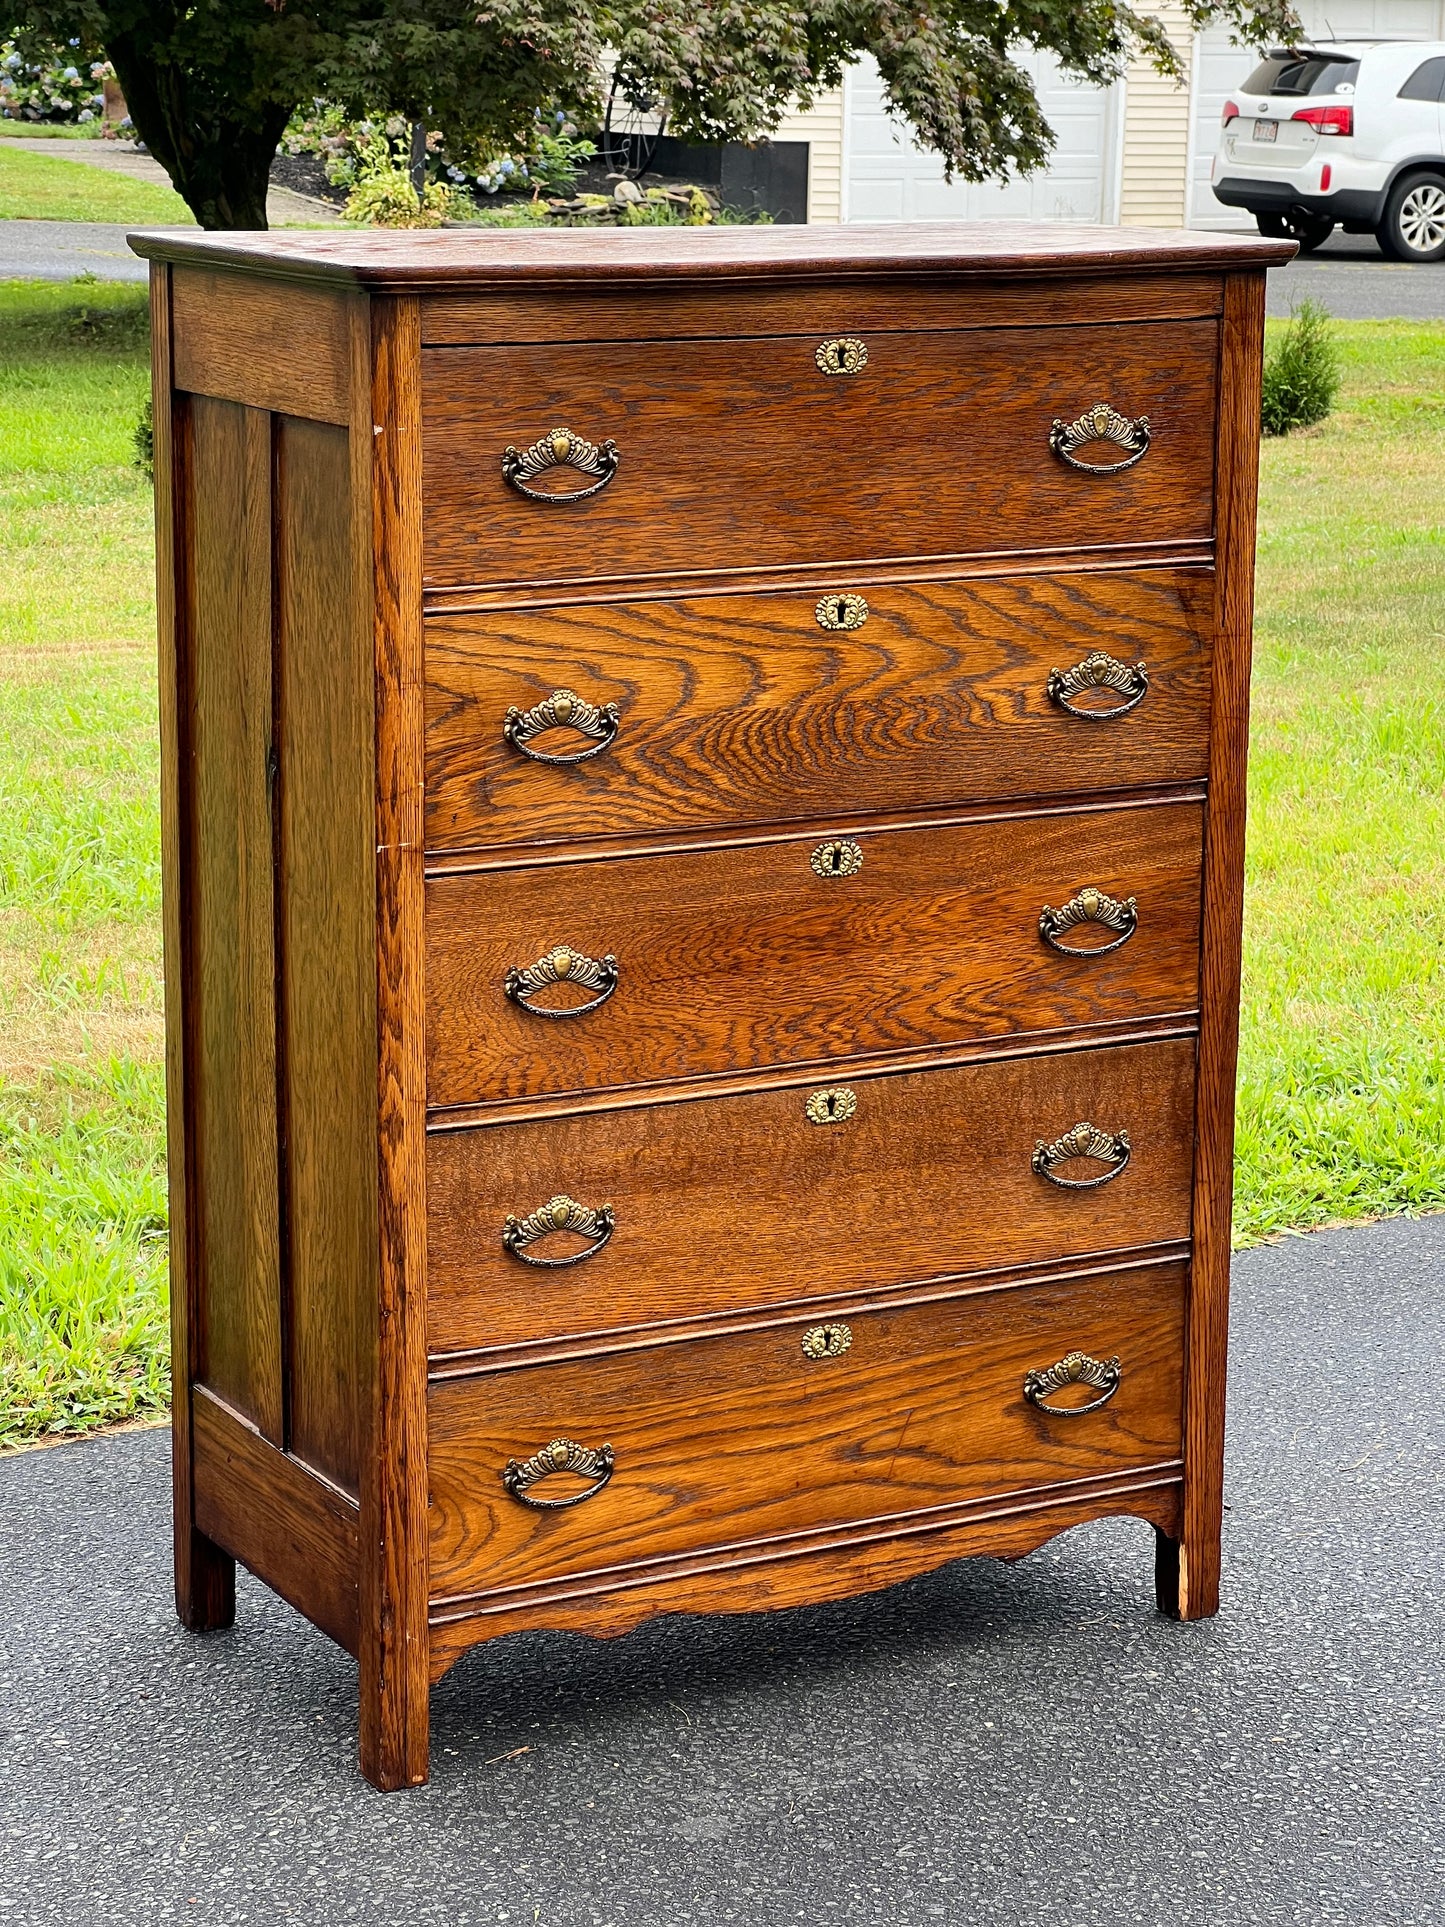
x: 231, y: 978
x: 326, y: 944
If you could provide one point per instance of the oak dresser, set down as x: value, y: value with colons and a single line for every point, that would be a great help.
x: 703, y: 815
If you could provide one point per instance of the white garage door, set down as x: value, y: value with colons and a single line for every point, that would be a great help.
x: 888, y: 178
x: 1220, y: 65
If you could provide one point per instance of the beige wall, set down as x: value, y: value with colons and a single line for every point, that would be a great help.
x: 1154, y: 181
x: 822, y: 128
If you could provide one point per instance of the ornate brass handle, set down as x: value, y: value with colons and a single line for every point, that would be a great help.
x: 1098, y: 671
x: 1083, y: 1141
x: 558, y: 1214
x: 1089, y: 906
x: 562, y: 1455
x: 563, y: 709
x: 563, y: 965
x: 1101, y: 423
x: 560, y: 448
x: 1076, y: 1368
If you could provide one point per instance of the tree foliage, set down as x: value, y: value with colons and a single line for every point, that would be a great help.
x: 211, y: 84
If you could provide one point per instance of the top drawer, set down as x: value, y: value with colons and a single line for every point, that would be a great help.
x: 744, y: 453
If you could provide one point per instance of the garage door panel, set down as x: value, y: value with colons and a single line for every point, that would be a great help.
x: 892, y: 179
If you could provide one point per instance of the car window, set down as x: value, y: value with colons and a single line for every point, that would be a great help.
x: 1301, y: 73
x: 1426, y: 83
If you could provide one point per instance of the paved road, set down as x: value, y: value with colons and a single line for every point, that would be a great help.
x: 992, y: 1743
x: 1351, y: 278
x: 60, y: 250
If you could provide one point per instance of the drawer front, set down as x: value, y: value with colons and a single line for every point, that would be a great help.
x: 743, y: 454
x: 743, y: 1437
x: 744, y: 709
x: 745, y: 1200
x: 731, y: 959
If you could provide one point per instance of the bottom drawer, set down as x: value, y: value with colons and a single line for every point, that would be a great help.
x: 743, y: 1436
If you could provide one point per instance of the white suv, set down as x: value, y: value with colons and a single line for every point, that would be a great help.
x: 1348, y: 133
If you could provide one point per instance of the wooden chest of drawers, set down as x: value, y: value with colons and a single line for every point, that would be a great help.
x: 703, y: 814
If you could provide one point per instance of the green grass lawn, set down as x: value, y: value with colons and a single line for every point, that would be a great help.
x: 33, y: 187
x: 1342, y: 1111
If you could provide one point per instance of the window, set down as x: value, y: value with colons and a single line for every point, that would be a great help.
x: 1298, y: 71
x: 1426, y: 83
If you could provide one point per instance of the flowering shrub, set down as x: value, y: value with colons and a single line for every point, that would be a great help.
x: 59, y: 88
x: 383, y: 195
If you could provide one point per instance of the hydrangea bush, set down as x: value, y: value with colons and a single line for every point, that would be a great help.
x: 61, y: 87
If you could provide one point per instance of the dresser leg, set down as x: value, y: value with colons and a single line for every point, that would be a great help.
x: 395, y: 1733
x: 205, y: 1582
x: 1185, y: 1588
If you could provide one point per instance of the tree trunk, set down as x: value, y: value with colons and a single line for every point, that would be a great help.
x: 220, y: 166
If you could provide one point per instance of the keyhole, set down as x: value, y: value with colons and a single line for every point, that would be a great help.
x: 840, y: 355
x: 832, y: 1104
x: 835, y: 861
x: 841, y: 612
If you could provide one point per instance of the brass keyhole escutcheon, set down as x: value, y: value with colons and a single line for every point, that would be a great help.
x: 841, y: 610
x: 840, y: 858
x: 826, y: 1341
x: 831, y: 1107
x: 842, y: 355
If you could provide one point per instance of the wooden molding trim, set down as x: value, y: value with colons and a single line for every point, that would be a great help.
x: 267, y: 345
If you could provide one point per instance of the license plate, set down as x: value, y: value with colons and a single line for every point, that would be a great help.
x: 1266, y: 130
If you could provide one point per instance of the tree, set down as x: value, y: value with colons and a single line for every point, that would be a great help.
x: 211, y: 84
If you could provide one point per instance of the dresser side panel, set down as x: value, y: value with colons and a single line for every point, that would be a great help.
x: 242, y: 338
x: 325, y: 803
x: 231, y: 980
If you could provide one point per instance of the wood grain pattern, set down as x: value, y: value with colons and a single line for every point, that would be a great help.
x: 287, y: 1525
x: 387, y: 490
x: 849, y: 308
x: 205, y: 1576
x: 742, y: 1201
x: 741, y: 958
x: 232, y: 932
x: 327, y: 872
x: 743, y: 1438
x: 610, y: 260
x: 277, y: 348
x: 743, y: 451
x: 804, y: 1570
x: 742, y: 709
x: 1189, y: 1586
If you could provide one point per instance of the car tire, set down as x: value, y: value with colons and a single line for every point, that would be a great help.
x: 1310, y: 230
x: 1412, y: 227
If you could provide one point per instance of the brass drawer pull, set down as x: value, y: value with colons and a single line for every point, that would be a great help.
x: 841, y: 611
x: 1098, y: 671
x: 1083, y: 1141
x: 827, y: 1341
x: 1089, y: 906
x: 563, y: 709
x: 560, y: 448
x: 562, y: 1455
x: 558, y: 1214
x: 1101, y: 425
x: 1077, y: 1368
x: 563, y: 965
x: 842, y: 355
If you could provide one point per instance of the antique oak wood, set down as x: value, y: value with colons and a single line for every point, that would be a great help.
x: 743, y: 709
x: 841, y: 591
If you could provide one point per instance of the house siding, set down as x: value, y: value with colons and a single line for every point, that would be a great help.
x: 822, y: 128
x: 1154, y: 185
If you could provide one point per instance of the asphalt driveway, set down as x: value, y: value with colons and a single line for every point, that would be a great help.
x: 991, y: 1744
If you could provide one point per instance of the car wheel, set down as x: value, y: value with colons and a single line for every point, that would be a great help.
x: 1413, y: 225
x: 1310, y: 230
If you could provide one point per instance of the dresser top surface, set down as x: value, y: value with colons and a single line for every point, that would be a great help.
x: 455, y: 259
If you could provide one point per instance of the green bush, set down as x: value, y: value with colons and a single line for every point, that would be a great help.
x: 1301, y: 373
